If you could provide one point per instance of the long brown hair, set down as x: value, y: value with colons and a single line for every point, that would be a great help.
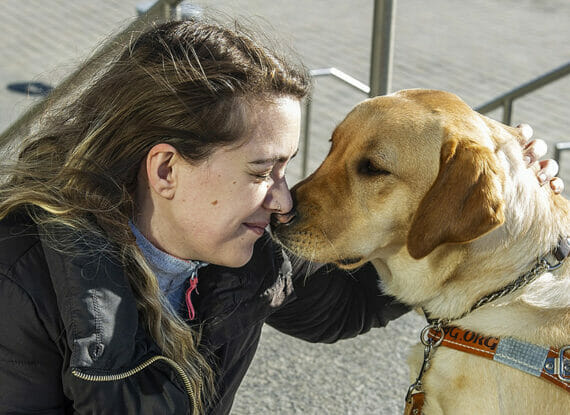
x: 186, y: 83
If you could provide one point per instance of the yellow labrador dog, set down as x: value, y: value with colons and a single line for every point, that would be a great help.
x: 439, y: 198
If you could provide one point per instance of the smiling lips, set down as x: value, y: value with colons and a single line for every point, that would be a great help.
x: 258, y: 228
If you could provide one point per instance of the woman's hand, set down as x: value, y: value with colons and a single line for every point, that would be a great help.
x: 533, y: 151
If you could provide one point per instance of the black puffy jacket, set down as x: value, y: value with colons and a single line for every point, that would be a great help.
x: 71, y: 340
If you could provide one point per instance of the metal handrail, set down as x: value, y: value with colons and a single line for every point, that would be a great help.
x: 160, y: 10
x: 506, y: 100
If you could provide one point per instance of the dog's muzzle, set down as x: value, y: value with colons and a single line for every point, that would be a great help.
x: 283, y: 219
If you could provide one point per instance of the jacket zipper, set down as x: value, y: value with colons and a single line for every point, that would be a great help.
x: 123, y: 375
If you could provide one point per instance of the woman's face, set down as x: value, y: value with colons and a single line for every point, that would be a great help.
x: 221, y: 206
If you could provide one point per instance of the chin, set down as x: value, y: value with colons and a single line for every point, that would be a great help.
x: 237, y: 259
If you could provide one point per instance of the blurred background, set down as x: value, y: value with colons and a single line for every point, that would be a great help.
x: 479, y: 50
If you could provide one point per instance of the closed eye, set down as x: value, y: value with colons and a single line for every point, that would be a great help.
x: 261, y: 176
x: 367, y: 167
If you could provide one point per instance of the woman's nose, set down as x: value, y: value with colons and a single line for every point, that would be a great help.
x: 279, y: 197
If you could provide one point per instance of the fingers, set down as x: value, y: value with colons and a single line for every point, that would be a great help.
x: 534, y: 150
x: 557, y: 185
x: 547, y: 174
x: 526, y: 130
x: 548, y: 169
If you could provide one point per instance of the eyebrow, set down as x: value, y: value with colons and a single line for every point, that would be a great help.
x: 280, y: 159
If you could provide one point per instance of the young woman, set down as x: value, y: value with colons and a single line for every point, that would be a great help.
x: 135, y: 269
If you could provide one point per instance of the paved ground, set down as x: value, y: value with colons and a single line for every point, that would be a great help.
x: 477, y: 49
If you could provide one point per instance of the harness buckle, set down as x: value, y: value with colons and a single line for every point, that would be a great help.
x: 563, y: 365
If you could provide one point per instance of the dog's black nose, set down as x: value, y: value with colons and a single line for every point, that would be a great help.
x: 282, y: 219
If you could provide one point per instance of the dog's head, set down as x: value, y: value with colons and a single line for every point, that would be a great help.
x: 415, y: 169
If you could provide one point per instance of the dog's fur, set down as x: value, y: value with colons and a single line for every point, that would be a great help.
x: 439, y: 198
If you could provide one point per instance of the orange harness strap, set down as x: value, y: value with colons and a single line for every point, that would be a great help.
x: 550, y: 364
x: 414, y: 404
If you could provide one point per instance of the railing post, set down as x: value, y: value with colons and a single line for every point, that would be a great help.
x: 559, y: 148
x: 169, y: 8
x: 382, y: 47
x: 306, y: 140
x: 507, y: 111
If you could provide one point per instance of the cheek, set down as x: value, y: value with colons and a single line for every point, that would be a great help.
x: 237, y: 201
x: 250, y: 194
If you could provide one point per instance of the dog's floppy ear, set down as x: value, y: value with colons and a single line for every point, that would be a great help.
x: 463, y: 203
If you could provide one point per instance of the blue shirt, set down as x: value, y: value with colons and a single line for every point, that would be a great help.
x: 171, y: 272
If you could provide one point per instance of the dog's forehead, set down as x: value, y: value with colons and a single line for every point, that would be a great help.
x: 440, y: 110
x: 392, y: 118
x: 416, y: 121
x: 421, y: 104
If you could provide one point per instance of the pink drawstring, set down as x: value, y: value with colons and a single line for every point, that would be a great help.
x: 193, y: 285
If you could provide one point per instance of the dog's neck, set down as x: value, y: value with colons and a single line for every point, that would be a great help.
x: 455, y: 272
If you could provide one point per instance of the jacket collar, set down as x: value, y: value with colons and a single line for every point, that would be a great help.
x: 95, y: 300
x: 99, y: 310
x: 232, y: 301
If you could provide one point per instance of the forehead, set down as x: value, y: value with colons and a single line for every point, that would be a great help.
x: 273, y: 127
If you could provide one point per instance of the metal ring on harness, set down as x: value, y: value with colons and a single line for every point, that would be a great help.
x: 429, y: 341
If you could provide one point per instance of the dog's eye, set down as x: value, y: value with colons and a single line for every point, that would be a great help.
x: 368, y: 168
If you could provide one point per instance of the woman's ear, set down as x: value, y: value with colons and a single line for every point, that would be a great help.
x: 160, y: 170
